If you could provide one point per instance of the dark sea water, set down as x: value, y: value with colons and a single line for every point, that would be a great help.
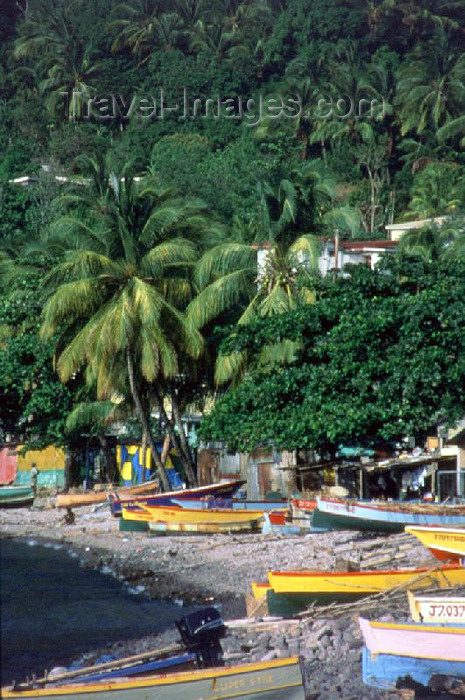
x: 52, y: 609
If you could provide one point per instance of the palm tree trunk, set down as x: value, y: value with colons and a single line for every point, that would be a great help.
x: 144, y: 422
x: 143, y: 450
x: 186, y: 459
x: 183, y: 439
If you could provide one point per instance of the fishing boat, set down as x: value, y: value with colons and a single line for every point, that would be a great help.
x: 308, y: 505
x: 131, y: 666
x: 383, y: 516
x: 206, y: 503
x: 224, y: 489
x: 290, y: 592
x: 393, y: 651
x: 280, y: 679
x: 16, y: 496
x: 271, y: 603
x: 445, y: 543
x: 444, y: 609
x: 73, y: 500
x: 163, y: 519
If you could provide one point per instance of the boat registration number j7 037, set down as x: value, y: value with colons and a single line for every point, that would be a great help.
x: 449, y: 611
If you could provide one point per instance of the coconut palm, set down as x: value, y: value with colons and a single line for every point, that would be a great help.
x: 431, y: 87
x: 433, y: 242
x: 261, y: 266
x: 143, y: 27
x: 452, y: 129
x: 437, y: 190
x: 119, y: 296
x: 64, y: 62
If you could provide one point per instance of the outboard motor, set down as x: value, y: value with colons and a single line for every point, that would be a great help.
x: 201, y: 632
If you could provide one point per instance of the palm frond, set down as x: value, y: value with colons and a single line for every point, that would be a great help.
x: 219, y: 296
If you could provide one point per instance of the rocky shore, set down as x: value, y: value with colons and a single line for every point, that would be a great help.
x: 217, y: 570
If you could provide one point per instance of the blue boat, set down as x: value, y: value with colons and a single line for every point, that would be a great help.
x: 383, y: 516
x: 384, y: 670
x: 224, y: 489
x: 234, y: 503
x: 143, y: 668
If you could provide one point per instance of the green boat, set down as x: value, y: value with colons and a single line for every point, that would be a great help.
x: 16, y: 496
x: 279, y: 679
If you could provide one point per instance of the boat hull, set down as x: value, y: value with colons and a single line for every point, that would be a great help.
x: 272, y: 680
x: 446, y: 544
x: 340, y: 514
x: 224, y: 490
x: 160, y: 527
x: 73, y: 500
x: 446, y: 610
x: 16, y: 496
x: 161, y: 519
x: 362, y: 582
x: 384, y: 670
x: 188, y: 515
x: 215, y: 503
x: 290, y: 604
x: 415, y: 640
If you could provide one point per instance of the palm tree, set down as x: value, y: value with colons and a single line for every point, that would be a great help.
x: 143, y: 27
x: 64, y: 62
x: 351, y: 101
x: 119, y: 295
x: 423, y: 17
x: 431, y: 86
x: 261, y: 266
x: 214, y: 39
x: 436, y: 191
x: 435, y: 242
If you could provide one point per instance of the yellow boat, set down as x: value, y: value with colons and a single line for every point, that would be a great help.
x: 174, y: 519
x: 289, y: 592
x: 363, y: 582
x: 445, y: 543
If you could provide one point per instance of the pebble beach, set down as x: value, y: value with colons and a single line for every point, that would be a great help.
x: 217, y: 570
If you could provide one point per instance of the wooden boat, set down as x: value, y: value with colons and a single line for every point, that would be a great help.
x: 384, y: 516
x: 174, y: 519
x: 292, y: 591
x: 145, y: 664
x: 223, y: 489
x: 446, y: 642
x: 276, y: 511
x: 272, y: 603
x: 445, y: 543
x: 274, y: 523
x: 443, y: 609
x: 395, y: 650
x: 234, y: 503
x: 73, y: 500
x: 308, y: 505
x: 16, y: 496
x: 280, y: 679
x: 350, y: 583
x: 385, y: 671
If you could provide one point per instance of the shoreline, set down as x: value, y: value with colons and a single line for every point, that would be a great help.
x: 217, y: 570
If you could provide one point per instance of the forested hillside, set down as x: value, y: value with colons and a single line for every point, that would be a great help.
x: 402, y: 157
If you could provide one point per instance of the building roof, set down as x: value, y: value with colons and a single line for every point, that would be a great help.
x: 419, y: 223
x: 374, y: 245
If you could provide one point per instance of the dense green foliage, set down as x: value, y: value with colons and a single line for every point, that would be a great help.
x: 34, y: 404
x: 382, y: 355
x: 408, y: 56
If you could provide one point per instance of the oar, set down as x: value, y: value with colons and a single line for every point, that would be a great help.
x: 117, y: 663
